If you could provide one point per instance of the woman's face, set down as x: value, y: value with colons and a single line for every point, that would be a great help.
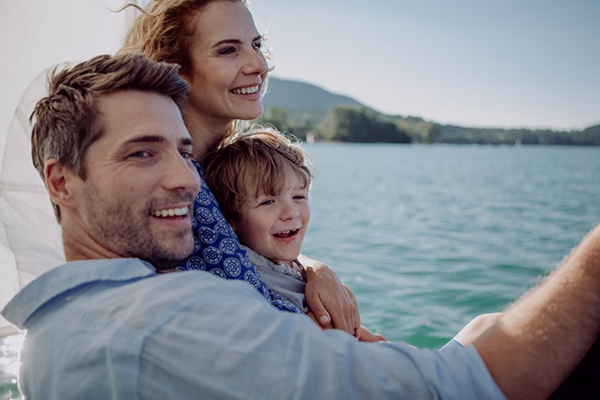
x: 228, y: 66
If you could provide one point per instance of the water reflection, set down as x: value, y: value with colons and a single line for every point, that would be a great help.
x: 9, y: 367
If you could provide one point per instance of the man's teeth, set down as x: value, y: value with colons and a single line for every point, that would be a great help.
x: 248, y: 90
x: 170, y: 212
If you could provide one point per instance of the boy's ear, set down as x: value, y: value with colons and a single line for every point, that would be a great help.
x: 59, y: 182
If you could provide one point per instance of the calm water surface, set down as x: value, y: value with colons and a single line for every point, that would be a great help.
x: 430, y: 236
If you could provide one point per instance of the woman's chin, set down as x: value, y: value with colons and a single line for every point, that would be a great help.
x: 250, y: 113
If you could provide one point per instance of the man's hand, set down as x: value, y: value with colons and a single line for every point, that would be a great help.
x: 332, y: 303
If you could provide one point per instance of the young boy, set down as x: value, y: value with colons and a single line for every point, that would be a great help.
x: 261, y: 183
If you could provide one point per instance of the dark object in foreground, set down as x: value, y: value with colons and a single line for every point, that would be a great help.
x: 584, y: 382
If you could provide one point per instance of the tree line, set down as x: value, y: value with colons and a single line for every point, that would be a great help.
x: 343, y: 124
x: 359, y: 124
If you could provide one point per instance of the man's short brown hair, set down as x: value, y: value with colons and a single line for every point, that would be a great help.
x: 67, y: 120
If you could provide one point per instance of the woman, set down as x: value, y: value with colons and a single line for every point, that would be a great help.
x: 221, y: 55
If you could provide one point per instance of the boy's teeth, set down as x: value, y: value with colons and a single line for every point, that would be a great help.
x: 170, y: 212
x: 286, y: 233
x: 248, y: 90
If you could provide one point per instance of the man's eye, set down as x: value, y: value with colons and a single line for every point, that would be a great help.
x: 257, y: 45
x: 140, y: 154
x: 187, y: 155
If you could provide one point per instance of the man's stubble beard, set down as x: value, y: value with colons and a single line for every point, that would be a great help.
x: 128, y: 233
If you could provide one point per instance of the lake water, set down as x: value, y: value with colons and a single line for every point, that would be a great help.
x: 430, y: 236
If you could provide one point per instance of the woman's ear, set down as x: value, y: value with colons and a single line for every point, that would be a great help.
x: 59, y: 182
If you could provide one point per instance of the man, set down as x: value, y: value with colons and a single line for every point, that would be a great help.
x: 111, y: 145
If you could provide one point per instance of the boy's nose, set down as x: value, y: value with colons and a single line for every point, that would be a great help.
x: 289, y: 211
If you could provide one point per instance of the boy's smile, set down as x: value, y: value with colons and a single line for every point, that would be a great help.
x: 274, y: 225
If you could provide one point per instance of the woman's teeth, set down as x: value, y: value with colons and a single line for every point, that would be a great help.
x: 170, y: 212
x: 248, y: 90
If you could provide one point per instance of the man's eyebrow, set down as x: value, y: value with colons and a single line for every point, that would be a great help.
x: 186, y: 141
x: 234, y: 41
x: 146, y: 139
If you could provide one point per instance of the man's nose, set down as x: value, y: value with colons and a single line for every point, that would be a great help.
x: 181, y: 174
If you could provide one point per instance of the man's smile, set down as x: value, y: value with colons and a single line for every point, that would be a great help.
x: 170, y: 212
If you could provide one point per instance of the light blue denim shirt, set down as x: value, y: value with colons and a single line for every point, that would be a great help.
x: 113, y: 329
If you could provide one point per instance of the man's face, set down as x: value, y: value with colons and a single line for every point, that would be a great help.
x: 138, y: 195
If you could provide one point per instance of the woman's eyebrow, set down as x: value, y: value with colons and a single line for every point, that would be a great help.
x: 234, y: 41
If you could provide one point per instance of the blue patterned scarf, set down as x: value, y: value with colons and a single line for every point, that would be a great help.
x: 217, y: 249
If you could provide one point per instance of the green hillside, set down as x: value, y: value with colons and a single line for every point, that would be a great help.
x: 302, y: 108
x: 304, y: 101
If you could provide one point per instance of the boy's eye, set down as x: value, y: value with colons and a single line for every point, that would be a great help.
x: 299, y: 197
x: 266, y: 202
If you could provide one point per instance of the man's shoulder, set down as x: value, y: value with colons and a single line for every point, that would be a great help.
x: 68, y: 277
x: 117, y: 282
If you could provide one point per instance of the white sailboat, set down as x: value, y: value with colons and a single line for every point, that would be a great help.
x: 36, y: 35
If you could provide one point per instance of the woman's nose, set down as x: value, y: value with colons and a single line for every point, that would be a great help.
x: 256, y: 63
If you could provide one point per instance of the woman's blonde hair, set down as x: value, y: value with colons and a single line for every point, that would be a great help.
x: 255, y: 161
x: 164, y: 31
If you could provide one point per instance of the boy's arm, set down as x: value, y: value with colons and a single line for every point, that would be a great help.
x: 332, y: 303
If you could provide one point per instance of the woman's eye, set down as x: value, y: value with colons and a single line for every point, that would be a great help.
x: 257, y: 45
x: 227, y: 50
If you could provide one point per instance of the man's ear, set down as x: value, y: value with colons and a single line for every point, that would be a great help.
x: 59, y: 182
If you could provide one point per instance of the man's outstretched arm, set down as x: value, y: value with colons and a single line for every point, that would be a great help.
x: 539, y: 340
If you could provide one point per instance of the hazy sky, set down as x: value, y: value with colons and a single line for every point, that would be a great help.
x: 509, y: 63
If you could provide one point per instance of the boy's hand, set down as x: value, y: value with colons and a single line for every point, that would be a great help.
x: 332, y: 303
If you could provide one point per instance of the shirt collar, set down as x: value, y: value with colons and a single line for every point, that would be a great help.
x: 67, y: 277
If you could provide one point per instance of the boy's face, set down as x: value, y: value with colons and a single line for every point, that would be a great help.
x: 274, y: 226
